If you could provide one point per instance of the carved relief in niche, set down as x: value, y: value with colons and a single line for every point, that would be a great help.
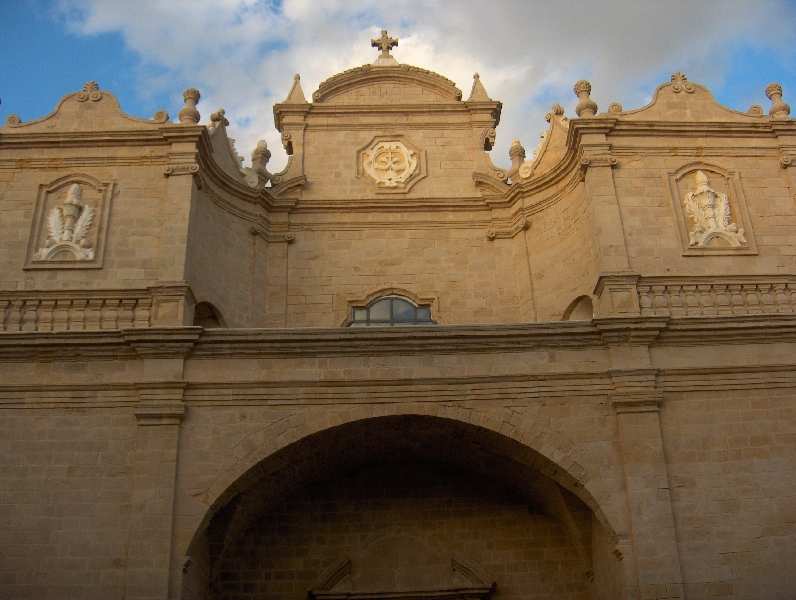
x: 69, y: 223
x: 390, y: 164
x: 711, y: 211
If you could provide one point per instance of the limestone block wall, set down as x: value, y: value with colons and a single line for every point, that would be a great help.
x: 137, y: 253
x: 731, y: 460
x: 66, y: 475
x: 225, y: 263
x: 650, y: 220
x: 563, y: 253
x: 467, y: 278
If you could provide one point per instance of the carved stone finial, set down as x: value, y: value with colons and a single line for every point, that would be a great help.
x: 710, y: 212
x: 188, y: 115
x: 586, y: 107
x: 219, y: 118
x: 517, y: 155
x: 90, y: 92
x: 296, y: 94
x: 680, y: 83
x: 556, y: 110
x: 258, y: 175
x: 778, y: 110
x: 679, y: 78
x: 478, y: 93
x: 384, y: 43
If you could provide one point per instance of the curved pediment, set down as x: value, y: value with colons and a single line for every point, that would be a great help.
x: 91, y: 109
x: 396, y: 83
x: 681, y: 100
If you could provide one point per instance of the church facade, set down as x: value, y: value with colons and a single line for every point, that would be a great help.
x: 395, y: 370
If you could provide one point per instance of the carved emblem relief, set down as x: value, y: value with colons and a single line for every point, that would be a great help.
x: 390, y: 164
x: 70, y: 220
x: 711, y: 211
x: 67, y: 226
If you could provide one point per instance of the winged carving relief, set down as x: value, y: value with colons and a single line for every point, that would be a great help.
x: 67, y: 226
x: 710, y: 212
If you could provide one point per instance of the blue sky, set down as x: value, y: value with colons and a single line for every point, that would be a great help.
x: 242, y: 54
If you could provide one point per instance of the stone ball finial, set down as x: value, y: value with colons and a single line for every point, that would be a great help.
x: 779, y: 109
x: 188, y: 115
x: 586, y: 107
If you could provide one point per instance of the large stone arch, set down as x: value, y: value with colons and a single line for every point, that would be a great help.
x: 279, y: 457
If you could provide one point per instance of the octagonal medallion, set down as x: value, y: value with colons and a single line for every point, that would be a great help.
x: 390, y: 164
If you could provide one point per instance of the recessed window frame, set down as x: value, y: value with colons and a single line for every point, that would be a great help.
x: 397, y: 316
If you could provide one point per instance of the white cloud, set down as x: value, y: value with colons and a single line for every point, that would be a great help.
x: 242, y: 54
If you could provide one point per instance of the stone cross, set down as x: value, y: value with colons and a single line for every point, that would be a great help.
x: 385, y: 43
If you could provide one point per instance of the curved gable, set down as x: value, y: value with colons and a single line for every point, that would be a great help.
x: 399, y: 83
x: 88, y: 110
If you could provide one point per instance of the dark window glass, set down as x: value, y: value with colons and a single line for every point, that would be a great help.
x: 390, y: 311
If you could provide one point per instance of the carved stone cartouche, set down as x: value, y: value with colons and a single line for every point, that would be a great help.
x: 710, y: 212
x: 389, y: 163
x: 67, y: 227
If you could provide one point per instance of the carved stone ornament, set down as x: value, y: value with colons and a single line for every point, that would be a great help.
x: 390, y: 164
x: 70, y: 221
x: 710, y: 212
x: 67, y: 226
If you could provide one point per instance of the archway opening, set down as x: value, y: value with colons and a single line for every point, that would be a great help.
x: 580, y: 309
x: 397, y: 498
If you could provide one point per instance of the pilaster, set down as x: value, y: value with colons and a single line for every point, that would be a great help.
x: 158, y: 416
x: 653, y: 571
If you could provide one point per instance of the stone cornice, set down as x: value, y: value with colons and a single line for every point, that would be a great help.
x: 162, y: 342
x: 444, y: 339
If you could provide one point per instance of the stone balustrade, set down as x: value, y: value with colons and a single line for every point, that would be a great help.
x: 715, y: 296
x: 66, y: 311
x: 79, y: 310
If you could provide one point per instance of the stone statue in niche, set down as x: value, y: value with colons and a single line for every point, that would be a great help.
x: 710, y: 212
x: 67, y: 226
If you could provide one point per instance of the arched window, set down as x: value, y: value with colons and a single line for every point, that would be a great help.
x: 389, y: 311
x: 208, y: 316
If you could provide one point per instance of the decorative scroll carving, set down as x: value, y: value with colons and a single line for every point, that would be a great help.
x: 710, y: 212
x: 90, y: 92
x: 67, y: 226
x: 680, y: 83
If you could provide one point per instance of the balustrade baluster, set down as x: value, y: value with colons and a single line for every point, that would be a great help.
x: 29, y: 315
x: 723, y: 301
x: 645, y: 301
x: 752, y: 301
x: 706, y: 300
